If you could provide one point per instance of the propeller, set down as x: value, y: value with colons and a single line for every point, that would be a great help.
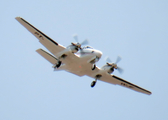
x: 78, y: 45
x: 114, y: 65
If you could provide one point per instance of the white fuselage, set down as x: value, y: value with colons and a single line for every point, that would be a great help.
x: 79, y: 67
x: 89, y: 55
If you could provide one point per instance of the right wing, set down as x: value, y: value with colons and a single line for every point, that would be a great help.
x: 129, y: 85
x: 112, y: 79
x: 50, y: 44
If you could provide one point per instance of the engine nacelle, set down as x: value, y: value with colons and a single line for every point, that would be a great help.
x: 74, y: 49
x: 108, y: 69
x: 65, y: 52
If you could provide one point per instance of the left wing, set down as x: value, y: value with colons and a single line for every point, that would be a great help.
x: 50, y: 44
x: 55, y: 48
x: 106, y: 77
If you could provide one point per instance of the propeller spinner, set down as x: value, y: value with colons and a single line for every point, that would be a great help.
x: 78, y: 45
x: 114, y: 65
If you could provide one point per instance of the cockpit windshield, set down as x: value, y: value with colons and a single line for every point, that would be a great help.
x: 87, y: 47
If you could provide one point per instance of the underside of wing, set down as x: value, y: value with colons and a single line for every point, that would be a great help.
x: 129, y: 85
x: 119, y: 81
x: 112, y: 79
x: 50, y: 44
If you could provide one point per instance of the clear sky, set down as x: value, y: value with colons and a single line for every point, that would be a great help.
x: 137, y: 30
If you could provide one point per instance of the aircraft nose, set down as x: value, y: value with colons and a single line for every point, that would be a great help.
x: 99, y: 53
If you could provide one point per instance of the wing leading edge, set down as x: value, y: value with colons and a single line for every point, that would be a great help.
x: 55, y: 48
x: 129, y: 85
x: 119, y: 81
x: 112, y: 79
x: 50, y: 44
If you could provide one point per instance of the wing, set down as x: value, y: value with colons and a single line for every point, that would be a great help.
x: 106, y: 77
x: 50, y: 44
x: 55, y: 48
x: 129, y: 85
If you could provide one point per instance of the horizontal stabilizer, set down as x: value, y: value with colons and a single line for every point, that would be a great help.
x: 47, y: 56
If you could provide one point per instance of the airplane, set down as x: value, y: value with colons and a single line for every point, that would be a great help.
x: 79, y: 60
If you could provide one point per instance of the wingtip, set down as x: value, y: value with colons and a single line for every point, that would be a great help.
x: 38, y: 50
x: 17, y: 18
x: 149, y: 93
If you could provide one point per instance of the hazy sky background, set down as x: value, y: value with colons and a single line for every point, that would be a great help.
x: 137, y: 30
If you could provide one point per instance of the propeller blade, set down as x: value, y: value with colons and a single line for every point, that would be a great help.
x: 108, y: 60
x: 118, y: 59
x: 75, y: 36
x: 85, y: 42
x: 78, y: 45
x: 120, y: 70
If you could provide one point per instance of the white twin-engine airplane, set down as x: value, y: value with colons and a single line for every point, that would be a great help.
x: 79, y: 60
